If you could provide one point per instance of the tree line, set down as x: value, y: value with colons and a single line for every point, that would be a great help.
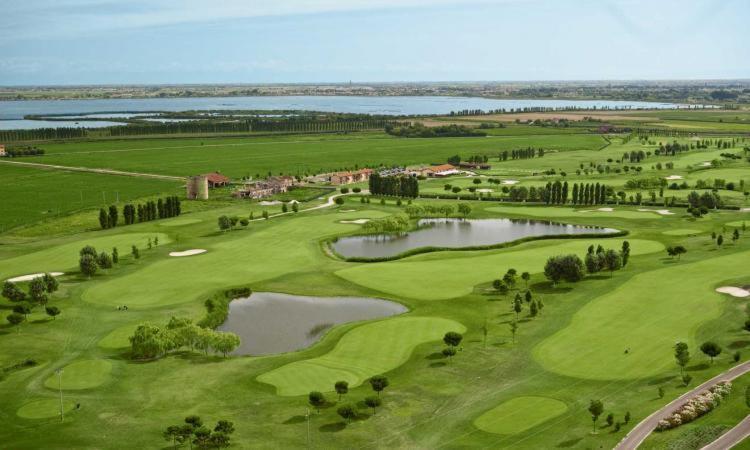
x: 397, y: 186
x: 521, y: 153
x: 151, y: 342
x: 23, y: 151
x: 163, y: 208
x: 420, y: 131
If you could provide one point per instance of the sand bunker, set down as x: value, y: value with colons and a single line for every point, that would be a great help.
x: 32, y: 276
x: 745, y: 210
x: 486, y: 191
x: 509, y: 182
x: 706, y: 164
x: 357, y: 221
x: 663, y: 212
x: 734, y: 291
x: 271, y: 203
x: 195, y: 251
x: 605, y: 209
x: 673, y: 177
x: 348, y: 210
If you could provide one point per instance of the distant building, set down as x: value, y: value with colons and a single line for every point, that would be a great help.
x: 216, y: 180
x: 350, y: 177
x: 2, y: 150
x: 392, y: 172
x: 442, y: 170
x: 474, y: 166
x: 265, y: 188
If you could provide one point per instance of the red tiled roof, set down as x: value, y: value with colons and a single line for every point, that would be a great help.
x: 442, y: 168
x: 214, y: 177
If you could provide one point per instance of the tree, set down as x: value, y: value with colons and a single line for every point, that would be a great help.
x: 224, y: 223
x: 452, y: 338
x: 373, y: 402
x: 711, y: 349
x: 565, y: 267
x: 379, y: 383
x: 224, y: 426
x: 316, y: 400
x: 50, y: 283
x: 720, y: 240
x: 12, y: 292
x: 22, y: 308
x: 347, y: 413
x: 295, y: 206
x: 218, y: 440
x: 517, y: 307
x: 194, y: 421
x: 104, y: 260
x: 678, y: 250
x: 173, y: 433
x: 533, y: 309
x: 112, y: 216
x: 135, y: 252
x: 627, y: 417
x: 682, y: 355
x: 612, y: 261
x: 148, y: 342
x: 37, y: 290
x: 686, y: 379
x: 596, y: 408
x: 735, y: 235
x: 526, y: 276
x: 610, y: 419
x: 103, y: 219
x: 625, y: 253
x: 284, y: 208
x: 342, y: 388
x: 202, y: 437
x: 265, y: 214
x: 88, y: 265
x: 15, y: 320
x: 660, y: 392
x: 225, y: 342
x: 52, y: 311
x: 88, y: 250
x: 464, y: 209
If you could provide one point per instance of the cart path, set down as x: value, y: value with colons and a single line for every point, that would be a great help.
x: 731, y: 437
x: 95, y: 170
x: 641, y: 431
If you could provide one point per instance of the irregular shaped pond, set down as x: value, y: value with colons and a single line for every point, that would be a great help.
x: 270, y: 323
x: 455, y: 233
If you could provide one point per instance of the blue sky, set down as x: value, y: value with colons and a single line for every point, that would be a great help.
x: 280, y: 41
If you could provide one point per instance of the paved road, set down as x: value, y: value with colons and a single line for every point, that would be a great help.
x: 641, y: 431
x: 731, y: 437
x: 92, y: 170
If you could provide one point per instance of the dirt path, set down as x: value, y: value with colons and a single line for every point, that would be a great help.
x: 92, y: 170
x: 641, y: 431
x: 731, y: 437
x: 331, y: 201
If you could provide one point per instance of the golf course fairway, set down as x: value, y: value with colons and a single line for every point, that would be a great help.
x: 519, y: 414
x: 368, y: 350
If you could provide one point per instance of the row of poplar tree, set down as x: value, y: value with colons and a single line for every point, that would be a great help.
x: 558, y: 193
x: 163, y: 208
x: 401, y: 186
x: 521, y: 153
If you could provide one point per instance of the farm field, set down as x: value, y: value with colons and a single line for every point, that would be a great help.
x: 518, y: 379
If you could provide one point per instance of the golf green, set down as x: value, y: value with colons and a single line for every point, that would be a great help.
x: 519, y: 414
x: 367, y: 350
x: 81, y: 375
x: 447, y: 275
x: 44, y: 409
x: 660, y: 307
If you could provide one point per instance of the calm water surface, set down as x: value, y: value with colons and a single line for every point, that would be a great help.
x: 270, y: 323
x: 455, y: 233
x: 402, y: 105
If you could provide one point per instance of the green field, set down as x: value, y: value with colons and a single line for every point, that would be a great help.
x: 607, y: 337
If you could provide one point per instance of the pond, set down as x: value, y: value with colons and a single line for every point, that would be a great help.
x: 270, y: 323
x: 455, y: 233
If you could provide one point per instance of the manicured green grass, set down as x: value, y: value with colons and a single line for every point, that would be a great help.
x: 448, y: 275
x: 44, y: 409
x: 85, y: 374
x: 62, y: 258
x: 660, y: 309
x: 519, y: 414
x: 681, y: 232
x: 31, y: 194
x: 365, y: 351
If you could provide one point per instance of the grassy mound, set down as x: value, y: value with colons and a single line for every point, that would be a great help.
x: 44, y: 409
x: 82, y: 375
x: 519, y: 414
x: 63, y: 257
x: 449, y: 275
x: 659, y: 308
x: 365, y: 351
